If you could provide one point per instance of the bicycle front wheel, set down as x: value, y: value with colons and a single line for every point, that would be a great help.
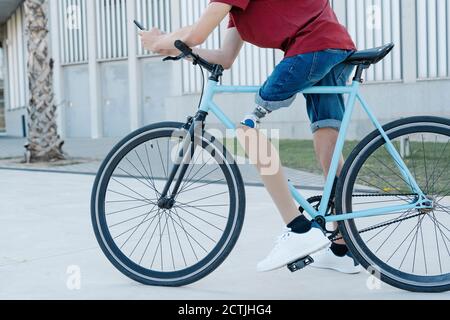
x: 178, y: 244
x: 408, y: 249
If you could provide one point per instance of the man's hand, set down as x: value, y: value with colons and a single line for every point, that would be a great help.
x: 152, y: 39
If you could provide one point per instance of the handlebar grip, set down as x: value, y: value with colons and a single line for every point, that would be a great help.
x: 183, y: 47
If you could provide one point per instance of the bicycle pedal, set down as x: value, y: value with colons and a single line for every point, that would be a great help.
x: 300, y: 264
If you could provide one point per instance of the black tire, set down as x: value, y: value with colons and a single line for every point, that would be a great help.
x: 220, y: 251
x: 364, y: 252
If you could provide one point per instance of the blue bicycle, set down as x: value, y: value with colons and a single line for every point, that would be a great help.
x: 168, y: 202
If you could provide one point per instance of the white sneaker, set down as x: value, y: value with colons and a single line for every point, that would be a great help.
x: 326, y: 259
x: 291, y: 247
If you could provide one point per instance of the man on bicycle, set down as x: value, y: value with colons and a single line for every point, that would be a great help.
x: 315, y: 46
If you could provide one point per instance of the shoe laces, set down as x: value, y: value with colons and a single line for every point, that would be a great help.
x: 286, y: 233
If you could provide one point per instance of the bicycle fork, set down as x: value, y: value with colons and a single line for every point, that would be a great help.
x: 194, y: 127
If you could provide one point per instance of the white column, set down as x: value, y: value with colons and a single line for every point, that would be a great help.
x: 94, y: 83
x: 409, y: 41
x: 177, y: 67
x: 57, y: 70
x: 133, y: 70
x: 8, y: 78
x: 340, y: 8
x: 6, y: 69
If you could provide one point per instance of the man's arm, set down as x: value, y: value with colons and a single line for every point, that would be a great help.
x: 231, y: 46
x: 193, y: 35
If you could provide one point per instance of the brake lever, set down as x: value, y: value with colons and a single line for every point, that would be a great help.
x: 177, y: 58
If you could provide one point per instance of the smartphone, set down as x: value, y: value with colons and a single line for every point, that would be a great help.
x: 139, y: 25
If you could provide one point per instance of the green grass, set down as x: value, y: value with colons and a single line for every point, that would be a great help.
x: 299, y: 154
x: 295, y: 154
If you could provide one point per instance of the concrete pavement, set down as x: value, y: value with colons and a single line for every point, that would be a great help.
x: 46, y: 236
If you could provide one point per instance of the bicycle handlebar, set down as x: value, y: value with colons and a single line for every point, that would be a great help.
x: 186, y: 52
x: 183, y: 47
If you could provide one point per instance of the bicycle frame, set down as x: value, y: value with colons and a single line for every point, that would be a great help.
x: 209, y: 106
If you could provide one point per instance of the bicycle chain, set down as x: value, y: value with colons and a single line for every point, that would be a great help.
x: 382, y: 225
x: 333, y: 235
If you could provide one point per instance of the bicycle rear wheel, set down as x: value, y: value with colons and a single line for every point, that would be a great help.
x: 408, y: 249
x: 182, y: 243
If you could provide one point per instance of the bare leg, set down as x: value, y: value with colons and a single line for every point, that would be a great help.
x: 324, y: 143
x: 263, y: 154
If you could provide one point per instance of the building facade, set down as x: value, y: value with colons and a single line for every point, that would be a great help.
x: 106, y: 85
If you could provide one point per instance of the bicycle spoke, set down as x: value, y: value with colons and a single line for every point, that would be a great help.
x: 437, y: 244
x: 423, y: 249
x: 190, y: 169
x: 212, y: 225
x: 149, y: 165
x: 208, y: 197
x: 152, y: 181
x: 143, y: 235
x: 160, y: 157
x: 444, y: 237
x: 203, y: 210
x: 159, y: 246
x: 128, y: 196
x: 154, y: 187
x: 410, y: 245
x: 123, y: 201
x: 188, y: 235
x: 372, y: 202
x: 170, y: 241
x: 371, y: 184
x: 128, y: 209
x: 444, y: 170
x: 419, y: 223
x: 168, y: 156
x: 201, y: 186
x: 200, y: 179
x: 190, y: 224
x: 440, y: 224
x: 385, y: 241
x: 425, y: 164
x: 390, y: 169
x: 178, y: 238
x: 386, y: 227
x: 188, y: 180
x: 128, y: 220
x: 127, y: 187
x: 135, y: 178
x: 434, y: 165
x: 135, y: 227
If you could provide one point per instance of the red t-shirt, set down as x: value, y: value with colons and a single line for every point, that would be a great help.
x: 294, y: 26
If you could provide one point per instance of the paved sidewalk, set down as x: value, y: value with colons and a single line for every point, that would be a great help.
x: 45, y: 232
x: 96, y: 150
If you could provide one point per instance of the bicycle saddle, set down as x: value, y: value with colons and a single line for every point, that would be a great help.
x: 370, y: 56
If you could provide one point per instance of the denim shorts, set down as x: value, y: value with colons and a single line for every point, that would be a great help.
x: 297, y: 73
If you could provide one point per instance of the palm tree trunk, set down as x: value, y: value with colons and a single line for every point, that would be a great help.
x: 44, y: 143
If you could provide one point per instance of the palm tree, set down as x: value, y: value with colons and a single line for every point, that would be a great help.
x: 44, y: 143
